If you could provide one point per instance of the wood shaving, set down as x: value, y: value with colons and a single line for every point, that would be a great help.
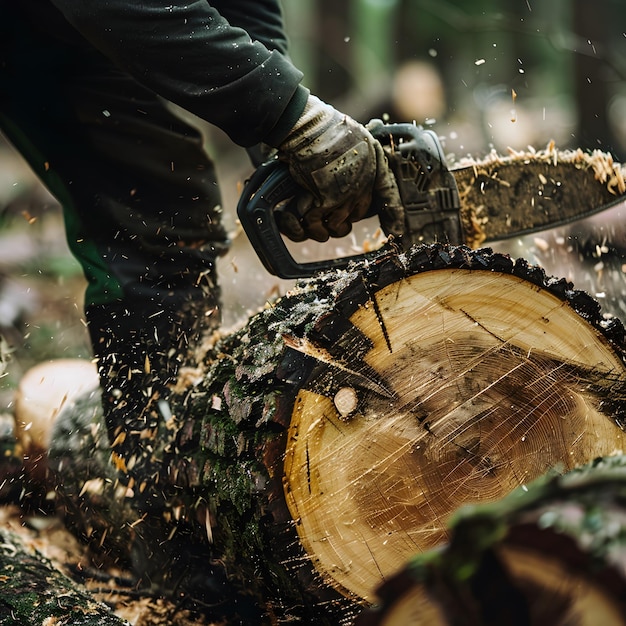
x: 605, y: 168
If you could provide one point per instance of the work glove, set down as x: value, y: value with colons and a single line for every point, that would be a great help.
x: 344, y: 175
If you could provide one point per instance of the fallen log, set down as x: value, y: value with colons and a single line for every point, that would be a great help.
x: 34, y: 591
x: 332, y: 437
x: 40, y: 397
x: 552, y: 553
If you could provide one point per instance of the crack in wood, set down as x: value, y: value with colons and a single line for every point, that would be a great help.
x: 481, y: 326
x: 308, y: 468
x: 378, y: 312
x: 381, y: 321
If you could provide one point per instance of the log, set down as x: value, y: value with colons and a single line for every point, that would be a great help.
x: 327, y: 441
x: 42, y: 393
x: 34, y: 591
x: 552, y: 553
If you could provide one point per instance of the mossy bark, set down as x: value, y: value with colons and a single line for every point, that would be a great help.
x: 33, y: 591
x: 551, y: 553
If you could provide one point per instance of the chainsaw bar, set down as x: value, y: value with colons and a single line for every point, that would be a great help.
x: 505, y: 197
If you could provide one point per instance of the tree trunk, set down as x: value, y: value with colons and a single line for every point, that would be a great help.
x: 331, y: 438
x: 552, y: 553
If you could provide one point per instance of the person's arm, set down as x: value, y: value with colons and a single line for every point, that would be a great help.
x: 261, y: 19
x: 190, y: 54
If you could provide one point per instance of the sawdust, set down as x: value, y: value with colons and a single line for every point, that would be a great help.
x: 605, y: 168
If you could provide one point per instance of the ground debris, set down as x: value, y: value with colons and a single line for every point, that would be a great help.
x: 48, y: 536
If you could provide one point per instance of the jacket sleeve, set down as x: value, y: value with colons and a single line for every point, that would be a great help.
x: 261, y: 19
x: 192, y: 55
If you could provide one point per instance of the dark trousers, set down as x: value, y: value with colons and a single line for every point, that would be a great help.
x: 140, y: 197
x: 141, y: 206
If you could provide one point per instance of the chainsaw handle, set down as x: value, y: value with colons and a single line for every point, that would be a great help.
x: 270, y: 186
x: 428, y: 192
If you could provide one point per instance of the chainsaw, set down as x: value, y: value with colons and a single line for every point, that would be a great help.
x: 469, y: 204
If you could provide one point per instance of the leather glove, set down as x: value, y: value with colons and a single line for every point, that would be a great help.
x: 343, y: 172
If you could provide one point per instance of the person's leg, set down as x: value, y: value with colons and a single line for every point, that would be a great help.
x: 142, y: 211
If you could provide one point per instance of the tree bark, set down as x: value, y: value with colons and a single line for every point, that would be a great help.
x: 552, y: 553
x: 331, y: 438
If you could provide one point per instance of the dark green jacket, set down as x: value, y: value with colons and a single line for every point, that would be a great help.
x: 224, y: 61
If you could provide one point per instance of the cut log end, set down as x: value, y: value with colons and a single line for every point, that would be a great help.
x: 497, y: 385
x: 540, y: 589
x: 559, y: 594
x: 42, y: 394
x: 335, y: 434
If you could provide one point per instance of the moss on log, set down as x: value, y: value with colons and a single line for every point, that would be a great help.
x: 33, y: 592
x: 551, y: 553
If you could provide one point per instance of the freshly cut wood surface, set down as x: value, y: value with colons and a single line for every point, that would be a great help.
x: 575, y: 597
x: 42, y: 394
x: 479, y: 382
x: 560, y: 596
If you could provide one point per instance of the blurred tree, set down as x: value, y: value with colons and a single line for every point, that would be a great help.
x: 374, y: 40
x: 301, y: 20
x: 597, y: 28
x: 563, y: 59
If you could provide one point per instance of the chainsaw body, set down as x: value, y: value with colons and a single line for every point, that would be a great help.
x: 428, y: 192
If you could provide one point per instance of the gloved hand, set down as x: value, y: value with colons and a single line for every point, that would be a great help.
x: 344, y: 172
